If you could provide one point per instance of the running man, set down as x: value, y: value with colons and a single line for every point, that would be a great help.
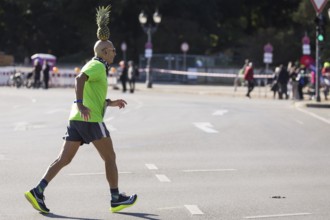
x: 86, y: 125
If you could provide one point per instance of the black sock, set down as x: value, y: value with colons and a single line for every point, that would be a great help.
x: 114, y: 194
x: 41, y: 186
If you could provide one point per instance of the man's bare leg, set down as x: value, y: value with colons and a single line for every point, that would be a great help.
x: 68, y: 151
x: 35, y: 196
x: 118, y: 201
x: 105, y: 148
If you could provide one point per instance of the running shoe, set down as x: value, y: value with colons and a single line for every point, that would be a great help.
x: 36, y: 200
x: 123, y: 202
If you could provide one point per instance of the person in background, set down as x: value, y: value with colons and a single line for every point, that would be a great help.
x: 37, y: 72
x: 123, y: 74
x: 237, y: 80
x: 249, y: 77
x: 283, y: 79
x: 46, y: 69
x: 131, y: 76
x: 325, y: 79
x: 274, y: 86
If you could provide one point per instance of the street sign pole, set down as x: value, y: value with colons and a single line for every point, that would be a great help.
x: 318, y: 6
x: 317, y: 69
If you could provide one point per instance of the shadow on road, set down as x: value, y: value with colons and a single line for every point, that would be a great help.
x: 52, y: 215
x: 140, y: 215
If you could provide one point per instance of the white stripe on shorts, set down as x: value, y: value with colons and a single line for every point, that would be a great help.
x: 102, y: 129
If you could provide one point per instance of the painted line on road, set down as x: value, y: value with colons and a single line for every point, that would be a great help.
x: 170, y: 208
x: 151, y: 166
x: 162, y: 178
x: 278, y: 215
x: 205, y: 126
x: 208, y: 170
x: 111, y: 128
x: 299, y: 122
x: 3, y: 157
x: 194, y: 210
x: 220, y: 112
x: 109, y: 119
x: 96, y: 173
x: 313, y: 115
x: 56, y: 111
x: 24, y: 126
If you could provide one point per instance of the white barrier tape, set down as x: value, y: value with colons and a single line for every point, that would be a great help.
x: 68, y: 79
x: 224, y: 75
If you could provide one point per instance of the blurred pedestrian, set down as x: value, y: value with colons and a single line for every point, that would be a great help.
x: 325, y: 79
x: 131, y: 76
x: 293, y: 73
x: 302, y: 81
x: 123, y: 75
x: 249, y: 77
x: 36, y: 73
x: 274, y: 86
x: 46, y: 69
x: 283, y: 79
x: 237, y: 80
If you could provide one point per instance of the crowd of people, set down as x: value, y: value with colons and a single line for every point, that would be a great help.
x: 128, y: 74
x: 293, y: 81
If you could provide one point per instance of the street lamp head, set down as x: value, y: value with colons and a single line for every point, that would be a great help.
x: 157, y: 17
x: 143, y: 18
x: 329, y: 13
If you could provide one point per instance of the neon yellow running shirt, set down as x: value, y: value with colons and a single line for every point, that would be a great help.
x: 95, y: 92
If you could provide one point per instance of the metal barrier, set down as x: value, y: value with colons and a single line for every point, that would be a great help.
x: 62, y: 78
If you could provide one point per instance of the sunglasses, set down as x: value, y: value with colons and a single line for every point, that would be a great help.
x: 112, y: 49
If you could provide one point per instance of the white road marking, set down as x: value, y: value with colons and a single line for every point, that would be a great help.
x: 56, y: 110
x: 278, y: 215
x: 205, y: 126
x: 91, y: 174
x: 170, y: 208
x: 3, y: 157
x: 220, y: 112
x: 108, y: 119
x: 208, y: 170
x: 194, y: 210
x: 151, y: 166
x: 314, y: 115
x: 126, y: 111
x: 23, y: 126
x: 111, y: 128
x: 162, y: 178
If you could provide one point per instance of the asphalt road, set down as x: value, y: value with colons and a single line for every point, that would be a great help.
x: 186, y: 155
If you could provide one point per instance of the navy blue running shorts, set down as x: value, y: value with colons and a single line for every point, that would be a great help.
x: 85, y: 132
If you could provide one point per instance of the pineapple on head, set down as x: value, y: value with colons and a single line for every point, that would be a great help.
x: 102, y: 21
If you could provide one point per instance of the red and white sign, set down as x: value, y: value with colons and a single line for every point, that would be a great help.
x: 319, y: 5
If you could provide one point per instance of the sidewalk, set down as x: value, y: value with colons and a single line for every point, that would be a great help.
x: 220, y: 90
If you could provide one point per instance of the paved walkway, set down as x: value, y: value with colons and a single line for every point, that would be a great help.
x: 257, y: 93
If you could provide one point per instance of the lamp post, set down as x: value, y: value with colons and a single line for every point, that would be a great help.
x: 124, y: 48
x: 149, y: 28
